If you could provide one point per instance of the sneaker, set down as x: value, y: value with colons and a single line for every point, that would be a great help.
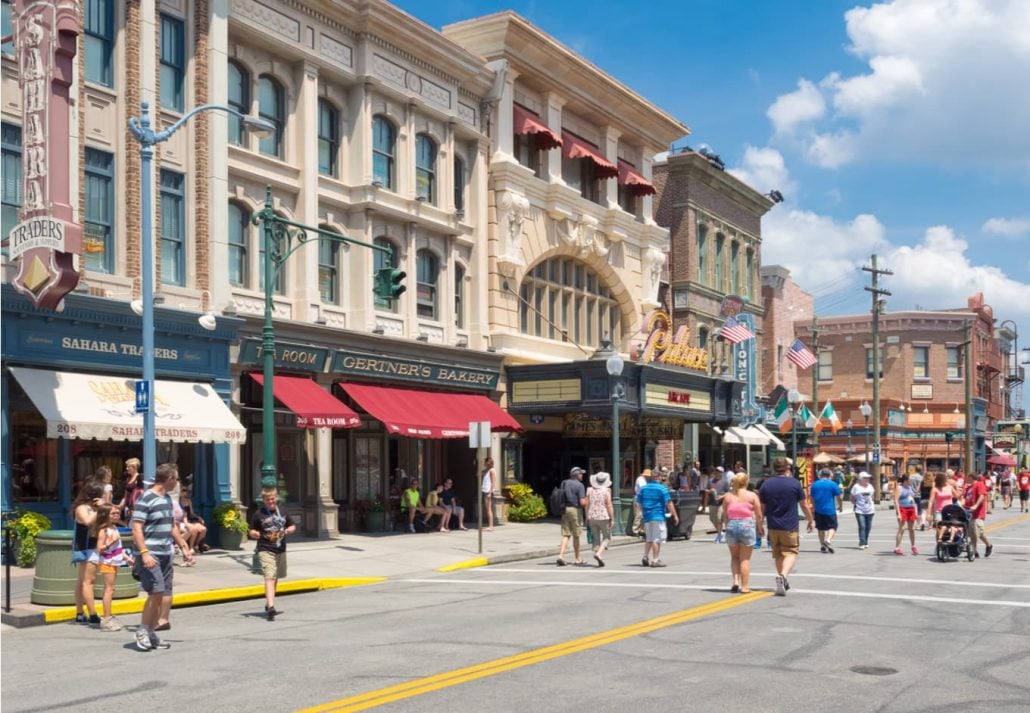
x: 561, y: 562
x: 988, y: 551
x: 143, y: 640
x: 829, y: 548
x: 156, y: 643
x: 270, y: 612
x: 823, y: 549
x: 915, y: 550
x: 645, y: 561
x: 411, y: 528
x: 976, y: 555
x: 786, y: 584
x: 109, y: 623
x: 781, y: 586
x: 658, y: 563
x: 81, y: 619
x: 897, y: 551
x: 94, y: 619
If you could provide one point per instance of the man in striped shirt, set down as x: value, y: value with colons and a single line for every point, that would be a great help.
x: 153, y: 529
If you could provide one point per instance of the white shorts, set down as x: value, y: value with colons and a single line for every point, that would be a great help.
x: 655, y: 531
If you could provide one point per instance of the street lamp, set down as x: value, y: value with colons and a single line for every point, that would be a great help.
x: 148, y: 138
x: 281, y: 238
x: 850, y: 424
x: 961, y: 426
x: 794, y: 398
x: 866, y: 410
x: 614, y: 366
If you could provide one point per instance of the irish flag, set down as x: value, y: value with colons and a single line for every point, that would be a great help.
x: 782, y: 415
x: 808, y: 418
x: 828, y: 415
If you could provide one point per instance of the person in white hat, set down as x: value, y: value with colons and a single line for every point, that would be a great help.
x: 600, y: 514
x: 862, y: 500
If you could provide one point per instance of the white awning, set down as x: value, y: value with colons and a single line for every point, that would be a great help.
x: 103, y: 407
x: 746, y: 436
x: 773, y: 440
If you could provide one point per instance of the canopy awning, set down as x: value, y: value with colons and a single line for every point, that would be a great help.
x: 314, y: 406
x: 528, y: 123
x: 103, y: 407
x: 634, y: 180
x: 429, y: 414
x: 745, y: 436
x: 575, y: 147
x: 773, y: 440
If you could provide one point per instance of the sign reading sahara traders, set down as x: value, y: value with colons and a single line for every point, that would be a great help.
x: 363, y: 364
x: 295, y: 357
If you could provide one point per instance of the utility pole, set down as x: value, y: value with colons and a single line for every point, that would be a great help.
x: 877, y: 306
x: 970, y: 466
x: 815, y: 383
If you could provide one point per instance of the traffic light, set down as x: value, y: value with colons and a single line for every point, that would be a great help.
x: 388, y: 283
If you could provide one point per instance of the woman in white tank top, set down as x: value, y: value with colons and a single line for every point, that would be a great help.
x: 487, y: 488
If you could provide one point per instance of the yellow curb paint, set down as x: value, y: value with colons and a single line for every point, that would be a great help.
x: 467, y: 564
x: 1011, y: 521
x: 528, y: 658
x: 215, y: 596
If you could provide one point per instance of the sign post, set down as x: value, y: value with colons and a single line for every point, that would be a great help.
x: 479, y: 438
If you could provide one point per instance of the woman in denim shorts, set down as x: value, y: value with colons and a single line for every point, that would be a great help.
x: 742, y: 513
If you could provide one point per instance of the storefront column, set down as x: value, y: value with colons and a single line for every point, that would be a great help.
x: 327, y: 512
x: 5, y: 449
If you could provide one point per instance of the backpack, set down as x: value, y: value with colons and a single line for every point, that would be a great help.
x: 556, y: 502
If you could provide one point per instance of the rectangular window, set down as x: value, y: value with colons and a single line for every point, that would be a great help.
x: 98, y: 223
x: 735, y: 268
x: 8, y: 13
x: 869, y: 363
x: 11, y: 176
x: 526, y: 152
x: 328, y: 139
x: 719, y: 243
x: 459, y: 185
x: 702, y: 246
x: 459, y: 297
x: 749, y: 276
x: 825, y: 366
x: 954, y: 362
x: 173, y: 228
x: 173, y: 62
x: 99, y: 41
x: 921, y: 362
x: 328, y: 267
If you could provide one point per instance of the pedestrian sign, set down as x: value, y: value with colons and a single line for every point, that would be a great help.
x: 142, y: 396
x: 876, y: 454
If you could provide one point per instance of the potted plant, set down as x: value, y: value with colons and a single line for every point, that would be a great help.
x: 26, y: 526
x: 375, y: 515
x: 526, y: 505
x: 232, y: 525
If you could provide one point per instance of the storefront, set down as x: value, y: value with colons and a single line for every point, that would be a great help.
x: 69, y: 398
x: 402, y: 409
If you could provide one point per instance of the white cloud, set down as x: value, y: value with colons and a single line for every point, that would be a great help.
x: 892, y: 79
x: 1007, y: 227
x: 832, y: 150
x: 803, y: 105
x: 764, y: 170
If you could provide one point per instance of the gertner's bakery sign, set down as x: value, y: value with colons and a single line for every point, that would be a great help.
x: 662, y: 347
x: 47, y: 242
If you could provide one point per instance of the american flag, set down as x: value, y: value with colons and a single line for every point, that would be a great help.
x: 799, y: 354
x: 734, y: 331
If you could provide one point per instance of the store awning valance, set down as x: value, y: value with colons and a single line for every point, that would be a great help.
x: 98, y: 406
x: 773, y: 440
x: 634, y: 180
x: 528, y: 123
x: 428, y: 414
x: 314, y: 406
x: 575, y: 147
x: 744, y: 436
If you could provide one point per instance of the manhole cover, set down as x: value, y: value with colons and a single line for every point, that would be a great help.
x: 874, y: 670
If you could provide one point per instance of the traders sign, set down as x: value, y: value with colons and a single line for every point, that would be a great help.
x: 662, y: 348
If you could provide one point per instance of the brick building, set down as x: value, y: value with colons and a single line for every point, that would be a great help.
x: 784, y: 303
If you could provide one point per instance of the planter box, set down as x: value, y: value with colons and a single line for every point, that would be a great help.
x: 230, y: 540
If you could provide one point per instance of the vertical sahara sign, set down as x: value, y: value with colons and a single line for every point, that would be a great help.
x: 47, y: 242
x: 743, y: 365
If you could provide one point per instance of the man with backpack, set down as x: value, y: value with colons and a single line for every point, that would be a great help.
x: 573, y: 494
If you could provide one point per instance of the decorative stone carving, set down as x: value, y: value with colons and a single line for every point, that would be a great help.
x: 585, y: 235
x: 467, y: 114
x: 652, y: 262
x: 390, y: 327
x: 336, y: 51
x: 433, y: 333
x: 413, y: 82
x: 267, y: 17
x: 511, y: 216
x: 389, y: 71
x: 435, y: 94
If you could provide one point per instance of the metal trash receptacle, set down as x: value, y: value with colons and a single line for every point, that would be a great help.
x: 686, y: 502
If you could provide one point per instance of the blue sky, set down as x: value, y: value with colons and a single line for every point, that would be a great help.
x: 901, y: 128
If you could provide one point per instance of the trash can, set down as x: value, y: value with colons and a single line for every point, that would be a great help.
x: 55, y: 575
x: 686, y: 503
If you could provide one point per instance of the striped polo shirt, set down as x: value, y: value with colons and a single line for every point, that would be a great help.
x: 155, y: 512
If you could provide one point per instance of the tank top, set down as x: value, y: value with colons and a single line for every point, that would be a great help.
x: 487, y: 486
x: 905, y: 497
x: 83, y: 540
x: 942, y: 498
x: 596, y: 509
x: 740, y: 510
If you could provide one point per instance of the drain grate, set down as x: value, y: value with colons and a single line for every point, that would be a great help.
x: 874, y: 670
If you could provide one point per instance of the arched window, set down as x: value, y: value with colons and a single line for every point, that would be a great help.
x: 271, y: 106
x: 381, y: 260
x: 328, y: 269
x: 425, y: 168
x: 427, y: 268
x: 459, y: 184
x: 384, y: 140
x: 749, y: 274
x: 328, y: 138
x: 702, y: 246
x: 238, y: 99
x: 239, y: 234
x: 459, y: 296
x: 702, y: 337
x: 720, y: 241
x: 564, y: 299
x: 735, y: 267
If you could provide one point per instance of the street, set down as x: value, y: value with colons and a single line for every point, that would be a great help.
x: 860, y: 630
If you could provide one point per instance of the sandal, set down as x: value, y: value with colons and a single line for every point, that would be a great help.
x: 561, y: 562
x: 735, y: 588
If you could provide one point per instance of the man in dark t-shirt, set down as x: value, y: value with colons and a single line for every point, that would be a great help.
x: 781, y: 495
x: 269, y: 527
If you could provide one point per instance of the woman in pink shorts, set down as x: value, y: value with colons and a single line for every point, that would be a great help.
x: 905, y: 507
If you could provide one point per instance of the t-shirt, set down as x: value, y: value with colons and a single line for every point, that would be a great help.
x: 410, y: 498
x: 573, y: 491
x: 974, y: 491
x: 653, y: 498
x: 862, y: 499
x: 155, y: 512
x: 447, y: 497
x: 432, y: 498
x: 916, y: 481
x: 824, y: 496
x: 1024, y: 481
x: 641, y: 481
x: 272, y: 525
x: 780, y: 496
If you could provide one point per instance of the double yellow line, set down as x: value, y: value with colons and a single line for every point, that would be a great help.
x: 491, y: 668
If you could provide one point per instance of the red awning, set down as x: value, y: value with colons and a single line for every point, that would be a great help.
x: 428, y: 414
x: 529, y: 123
x: 315, y: 407
x: 638, y: 185
x: 575, y: 147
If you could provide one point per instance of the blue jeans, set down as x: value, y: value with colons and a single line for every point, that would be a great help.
x: 865, y: 523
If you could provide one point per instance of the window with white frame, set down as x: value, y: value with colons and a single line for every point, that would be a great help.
x: 427, y: 269
x: 328, y: 270
x: 825, y: 367
x: 954, y: 362
x: 564, y: 299
x: 98, y: 225
x: 173, y: 63
x: 272, y: 108
x: 173, y: 228
x: 384, y: 146
x: 328, y: 137
x: 11, y: 141
x: 869, y: 363
x: 239, y: 99
x: 459, y: 296
x: 239, y: 230
x: 921, y: 362
x: 425, y: 168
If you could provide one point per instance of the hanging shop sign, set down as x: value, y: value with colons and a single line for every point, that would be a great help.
x: 388, y: 367
x: 744, y: 369
x: 662, y: 347
x: 292, y: 357
x: 46, y: 244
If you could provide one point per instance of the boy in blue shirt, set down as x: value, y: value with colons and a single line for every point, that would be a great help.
x: 655, y: 503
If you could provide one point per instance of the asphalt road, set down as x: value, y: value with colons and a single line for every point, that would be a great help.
x: 858, y: 631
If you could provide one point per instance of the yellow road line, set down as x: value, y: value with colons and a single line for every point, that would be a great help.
x: 467, y: 564
x: 528, y: 658
x: 1006, y: 523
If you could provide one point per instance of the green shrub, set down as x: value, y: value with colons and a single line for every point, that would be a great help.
x: 26, y: 526
x: 526, y: 505
x: 228, y: 517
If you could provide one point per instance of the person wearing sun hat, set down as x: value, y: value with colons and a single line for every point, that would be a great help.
x: 862, y: 500
x: 600, y: 514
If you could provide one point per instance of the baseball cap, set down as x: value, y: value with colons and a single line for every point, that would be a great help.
x: 720, y: 469
x: 575, y: 469
x: 864, y: 475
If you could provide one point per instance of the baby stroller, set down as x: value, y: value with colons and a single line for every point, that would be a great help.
x: 954, y: 516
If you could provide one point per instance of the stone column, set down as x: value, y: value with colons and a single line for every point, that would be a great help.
x: 303, y: 265
x: 550, y: 161
x: 610, y: 148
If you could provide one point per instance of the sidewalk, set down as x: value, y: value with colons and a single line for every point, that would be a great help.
x: 347, y: 560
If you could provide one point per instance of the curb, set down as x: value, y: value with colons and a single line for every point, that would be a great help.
x: 24, y: 618
x: 617, y: 541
